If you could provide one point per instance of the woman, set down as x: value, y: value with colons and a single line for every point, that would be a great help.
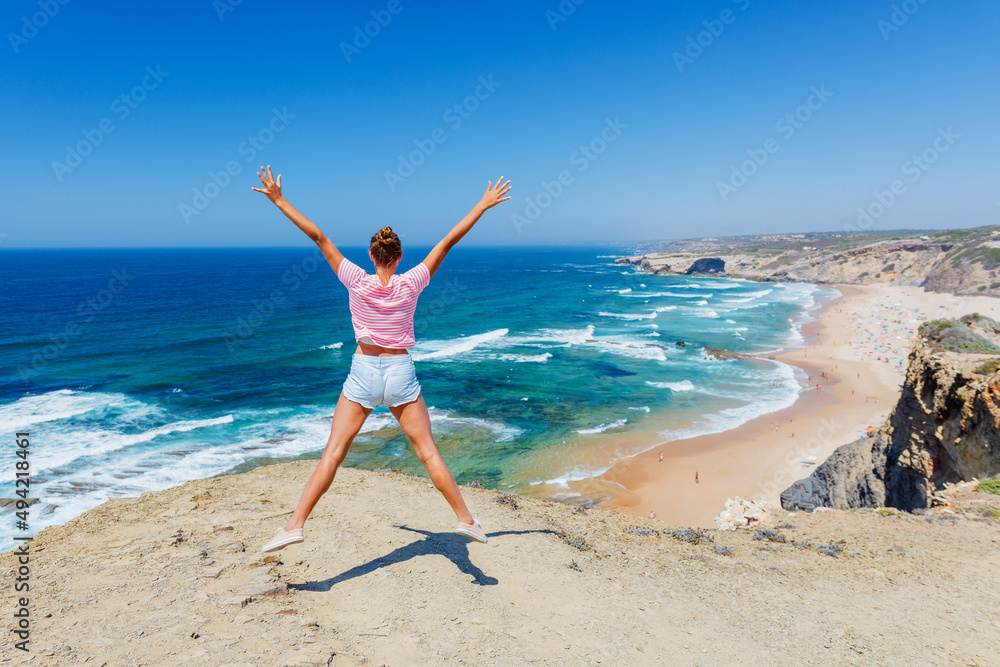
x: 382, y: 369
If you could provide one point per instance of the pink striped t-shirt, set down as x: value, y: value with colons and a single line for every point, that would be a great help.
x: 383, y: 314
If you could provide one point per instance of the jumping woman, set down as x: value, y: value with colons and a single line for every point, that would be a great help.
x: 382, y: 369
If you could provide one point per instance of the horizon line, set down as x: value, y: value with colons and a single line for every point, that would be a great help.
x: 533, y: 245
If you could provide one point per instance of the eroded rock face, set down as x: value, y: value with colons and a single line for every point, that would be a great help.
x: 707, y: 265
x: 849, y: 478
x: 962, y: 267
x: 944, y: 429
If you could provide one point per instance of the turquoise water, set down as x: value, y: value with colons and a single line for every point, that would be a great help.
x: 139, y: 369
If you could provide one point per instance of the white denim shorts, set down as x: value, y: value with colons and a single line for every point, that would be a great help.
x: 389, y: 380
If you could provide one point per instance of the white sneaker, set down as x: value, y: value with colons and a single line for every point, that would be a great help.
x: 474, y: 530
x: 282, y: 539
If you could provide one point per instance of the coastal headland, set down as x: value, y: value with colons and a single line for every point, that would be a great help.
x: 855, y: 355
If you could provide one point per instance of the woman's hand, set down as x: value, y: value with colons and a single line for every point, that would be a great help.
x: 272, y: 188
x: 494, y: 194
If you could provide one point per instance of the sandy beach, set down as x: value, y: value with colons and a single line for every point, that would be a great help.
x: 855, y: 351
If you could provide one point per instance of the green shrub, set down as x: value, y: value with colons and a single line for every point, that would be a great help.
x: 989, y: 368
x: 994, y: 285
x: 982, y: 323
x: 990, y: 257
x: 889, y: 267
x: 990, y: 485
x: 862, y: 275
x: 955, y: 336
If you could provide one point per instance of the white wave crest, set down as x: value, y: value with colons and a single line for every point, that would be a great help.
x: 526, y: 358
x: 91, y: 443
x: 450, y: 348
x: 564, y: 337
x: 601, y: 428
x: 631, y: 348
x: 56, y: 405
x: 683, y: 385
x: 629, y: 316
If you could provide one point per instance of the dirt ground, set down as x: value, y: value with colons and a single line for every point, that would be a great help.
x: 176, y: 577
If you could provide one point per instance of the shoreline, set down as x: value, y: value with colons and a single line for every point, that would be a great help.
x: 751, y: 459
x: 754, y: 459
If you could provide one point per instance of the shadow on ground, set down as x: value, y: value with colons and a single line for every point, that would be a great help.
x: 452, y: 546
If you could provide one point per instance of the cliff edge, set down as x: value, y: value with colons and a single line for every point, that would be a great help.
x: 945, y: 429
x: 960, y: 261
x: 174, y: 577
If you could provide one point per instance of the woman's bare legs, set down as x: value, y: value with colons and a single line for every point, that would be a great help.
x: 416, y: 423
x: 348, y: 418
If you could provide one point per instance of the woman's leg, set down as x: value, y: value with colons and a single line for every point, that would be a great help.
x: 416, y: 423
x: 347, y: 421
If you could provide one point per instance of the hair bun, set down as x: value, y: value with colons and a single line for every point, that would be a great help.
x: 385, y: 235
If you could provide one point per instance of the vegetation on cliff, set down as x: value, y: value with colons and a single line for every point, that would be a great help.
x: 945, y: 429
x: 960, y: 261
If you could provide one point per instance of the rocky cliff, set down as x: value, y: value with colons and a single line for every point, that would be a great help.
x: 944, y: 429
x: 965, y: 261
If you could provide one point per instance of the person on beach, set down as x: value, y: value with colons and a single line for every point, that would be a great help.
x: 382, y: 370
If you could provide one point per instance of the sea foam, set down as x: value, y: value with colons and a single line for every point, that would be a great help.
x: 603, y: 427
x: 451, y: 348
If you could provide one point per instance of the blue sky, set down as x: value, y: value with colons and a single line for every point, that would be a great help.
x: 614, y: 121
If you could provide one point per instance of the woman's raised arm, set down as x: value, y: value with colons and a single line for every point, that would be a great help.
x: 494, y: 195
x: 272, y: 190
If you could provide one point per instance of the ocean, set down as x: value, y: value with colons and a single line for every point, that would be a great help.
x: 140, y: 369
